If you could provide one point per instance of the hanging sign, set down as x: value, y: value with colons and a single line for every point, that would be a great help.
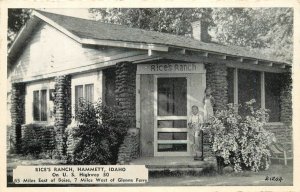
x: 170, y: 68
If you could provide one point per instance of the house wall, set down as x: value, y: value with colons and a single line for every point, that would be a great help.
x: 50, y: 52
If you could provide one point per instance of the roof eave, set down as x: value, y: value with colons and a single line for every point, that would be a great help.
x: 22, y: 35
x: 37, y: 17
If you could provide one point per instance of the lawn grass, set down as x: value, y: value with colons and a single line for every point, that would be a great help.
x: 246, y: 178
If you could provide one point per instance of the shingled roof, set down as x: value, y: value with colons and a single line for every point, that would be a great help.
x: 90, y: 29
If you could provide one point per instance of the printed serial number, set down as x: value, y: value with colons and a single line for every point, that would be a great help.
x: 268, y: 178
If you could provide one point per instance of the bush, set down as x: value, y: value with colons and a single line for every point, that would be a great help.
x: 101, y: 130
x: 241, y: 140
x: 38, y: 139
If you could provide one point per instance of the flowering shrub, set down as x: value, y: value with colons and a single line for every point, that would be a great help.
x: 241, y: 140
x: 100, y: 131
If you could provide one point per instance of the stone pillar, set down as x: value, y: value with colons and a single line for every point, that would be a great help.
x: 216, y: 79
x: 17, y: 111
x: 62, y: 105
x: 125, y: 90
x: 286, y: 113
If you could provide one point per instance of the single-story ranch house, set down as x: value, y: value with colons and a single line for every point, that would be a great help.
x: 153, y: 77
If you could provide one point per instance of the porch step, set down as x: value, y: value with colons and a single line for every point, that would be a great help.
x: 174, y: 164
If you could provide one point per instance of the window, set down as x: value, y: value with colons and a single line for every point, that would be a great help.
x: 250, y: 87
x: 89, y: 92
x: 230, y: 80
x: 51, y: 94
x: 273, y: 96
x: 84, y: 91
x: 36, y: 105
x: 40, y: 105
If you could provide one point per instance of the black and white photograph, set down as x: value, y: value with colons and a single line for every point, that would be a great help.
x: 150, y: 96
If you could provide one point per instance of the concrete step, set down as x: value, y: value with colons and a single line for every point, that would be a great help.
x: 178, y: 165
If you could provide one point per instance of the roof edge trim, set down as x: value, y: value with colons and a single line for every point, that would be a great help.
x: 127, y: 44
x: 57, y: 26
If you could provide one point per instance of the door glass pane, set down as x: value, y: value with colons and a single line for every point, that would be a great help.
x: 172, y: 147
x: 172, y: 136
x: 171, y: 124
x: 44, y: 105
x: 36, y: 106
x: 172, y: 96
x: 89, y: 92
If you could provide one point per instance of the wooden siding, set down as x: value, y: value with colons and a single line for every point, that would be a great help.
x: 147, y: 115
x: 50, y: 51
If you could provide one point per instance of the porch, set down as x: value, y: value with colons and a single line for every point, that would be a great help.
x: 174, y: 163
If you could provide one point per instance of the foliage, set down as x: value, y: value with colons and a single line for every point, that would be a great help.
x: 266, y: 30
x: 169, y: 20
x: 16, y: 19
x: 38, y: 139
x: 101, y: 130
x: 241, y: 140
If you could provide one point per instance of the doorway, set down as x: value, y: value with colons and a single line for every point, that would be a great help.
x: 171, y: 115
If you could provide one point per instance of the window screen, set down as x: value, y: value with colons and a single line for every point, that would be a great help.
x: 172, y: 96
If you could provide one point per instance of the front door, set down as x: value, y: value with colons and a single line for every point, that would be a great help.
x: 170, y: 116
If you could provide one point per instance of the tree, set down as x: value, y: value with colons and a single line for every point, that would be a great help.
x: 266, y: 30
x: 169, y: 20
x: 16, y: 19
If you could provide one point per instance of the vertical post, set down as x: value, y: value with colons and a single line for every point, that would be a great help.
x: 262, y: 90
x: 137, y: 101
x: 235, y: 88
